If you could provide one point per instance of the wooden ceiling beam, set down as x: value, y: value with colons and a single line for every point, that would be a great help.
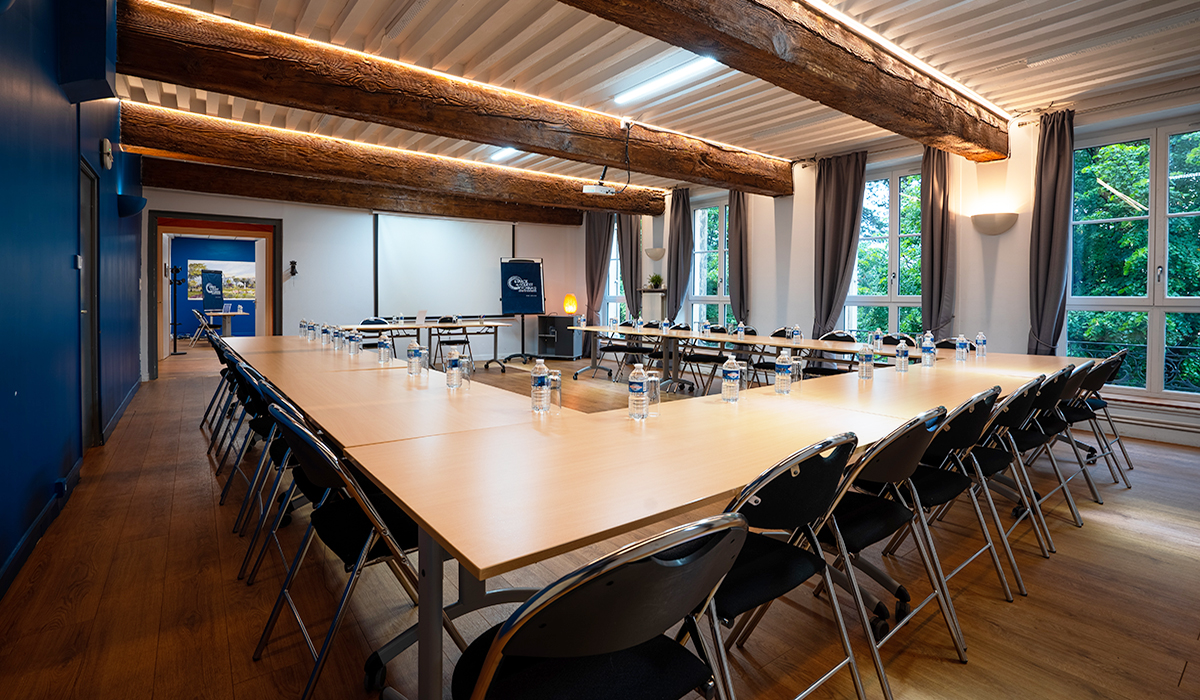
x: 175, y: 44
x: 166, y: 133
x: 216, y: 179
x: 806, y: 52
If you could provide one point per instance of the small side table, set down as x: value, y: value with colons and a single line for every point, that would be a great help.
x: 556, y: 340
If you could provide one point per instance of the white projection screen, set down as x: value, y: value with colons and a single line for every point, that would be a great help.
x: 440, y: 265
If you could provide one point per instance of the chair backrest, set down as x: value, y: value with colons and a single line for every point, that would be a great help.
x: 779, y: 332
x: 1101, y: 374
x: 895, y: 457
x: 272, y: 395
x: 1051, y: 390
x: 1014, y: 410
x: 719, y: 329
x: 446, y: 319
x: 895, y: 338
x: 798, y: 491
x: 952, y: 343
x: 248, y: 383
x: 963, y: 427
x: 1071, y: 388
x: 748, y: 330
x: 625, y: 598
x: 838, y: 336
x: 653, y: 324
x: 319, y: 463
x: 374, y: 321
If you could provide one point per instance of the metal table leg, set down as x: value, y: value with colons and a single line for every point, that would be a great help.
x: 595, y: 363
x: 496, y: 351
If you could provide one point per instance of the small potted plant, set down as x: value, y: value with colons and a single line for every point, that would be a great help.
x: 655, y: 281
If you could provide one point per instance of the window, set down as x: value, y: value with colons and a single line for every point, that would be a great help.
x: 1135, y: 257
x: 709, y: 293
x: 885, y: 291
x: 614, y: 289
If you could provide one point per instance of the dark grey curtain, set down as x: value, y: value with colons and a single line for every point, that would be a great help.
x: 840, y: 182
x: 597, y: 241
x: 939, y: 245
x: 679, y: 251
x: 1051, y: 232
x: 738, y: 235
x: 629, y: 250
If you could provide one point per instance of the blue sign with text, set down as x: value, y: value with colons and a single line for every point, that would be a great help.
x: 521, y: 288
x: 212, y: 283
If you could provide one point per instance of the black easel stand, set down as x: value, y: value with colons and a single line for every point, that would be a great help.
x: 525, y: 357
x: 175, y: 282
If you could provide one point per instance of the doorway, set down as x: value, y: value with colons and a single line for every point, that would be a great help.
x: 89, y: 294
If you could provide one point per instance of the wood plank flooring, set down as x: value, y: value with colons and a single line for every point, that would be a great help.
x: 133, y: 593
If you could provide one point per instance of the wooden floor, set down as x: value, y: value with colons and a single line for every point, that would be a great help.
x: 133, y: 593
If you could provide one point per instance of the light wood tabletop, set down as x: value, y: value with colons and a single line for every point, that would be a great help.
x: 1008, y: 363
x: 373, y: 327
x: 802, y: 344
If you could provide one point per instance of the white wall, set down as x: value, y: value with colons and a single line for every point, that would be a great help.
x: 333, y: 251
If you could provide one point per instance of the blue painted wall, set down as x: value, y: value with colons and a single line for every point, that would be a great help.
x: 183, y: 249
x: 42, y: 137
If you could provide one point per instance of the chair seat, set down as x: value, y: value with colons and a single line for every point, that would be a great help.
x: 1077, y: 414
x: 659, y: 669
x: 992, y: 460
x: 279, y: 447
x: 343, y: 527
x: 864, y: 519
x: 459, y: 341
x: 824, y: 371
x: 1096, y: 403
x: 262, y: 425
x: 704, y: 358
x: 765, y: 569
x: 1029, y: 439
x: 938, y: 486
x: 1052, y: 425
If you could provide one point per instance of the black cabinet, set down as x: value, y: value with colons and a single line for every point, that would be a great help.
x: 556, y: 340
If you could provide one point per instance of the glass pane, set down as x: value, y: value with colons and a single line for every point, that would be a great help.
x: 1102, y: 333
x: 1183, y: 177
x: 707, y: 229
x: 910, y: 265
x: 1182, y: 370
x: 871, y: 268
x: 861, y: 320
x: 730, y: 319
x: 705, y: 275
x: 1183, y: 256
x: 702, y: 312
x: 910, y: 320
x: 616, y: 311
x: 1112, y: 181
x: 1109, y: 259
x: 876, y: 204
x: 725, y: 279
x: 910, y: 205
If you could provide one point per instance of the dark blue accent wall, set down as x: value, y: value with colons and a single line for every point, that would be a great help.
x: 42, y: 138
x: 184, y: 248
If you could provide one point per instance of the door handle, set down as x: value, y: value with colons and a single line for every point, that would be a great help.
x: 1158, y: 275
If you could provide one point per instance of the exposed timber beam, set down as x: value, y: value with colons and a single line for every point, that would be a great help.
x: 216, y: 179
x: 168, y: 133
x: 806, y: 51
x: 179, y: 45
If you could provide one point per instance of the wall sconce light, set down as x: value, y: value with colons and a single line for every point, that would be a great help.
x: 656, y: 254
x: 5, y: 5
x: 129, y: 205
x: 570, y: 304
x: 994, y: 224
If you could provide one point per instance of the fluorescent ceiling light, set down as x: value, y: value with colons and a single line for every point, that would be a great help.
x: 504, y: 153
x: 665, y: 80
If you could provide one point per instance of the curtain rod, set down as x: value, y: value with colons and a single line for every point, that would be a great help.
x: 1115, y: 105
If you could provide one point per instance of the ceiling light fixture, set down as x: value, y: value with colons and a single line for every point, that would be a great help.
x: 878, y: 39
x: 666, y: 80
x: 504, y: 153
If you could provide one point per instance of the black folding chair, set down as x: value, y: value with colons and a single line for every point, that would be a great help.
x: 1086, y: 407
x: 600, y: 632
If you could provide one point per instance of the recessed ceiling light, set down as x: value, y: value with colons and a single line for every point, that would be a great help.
x: 504, y: 153
x: 666, y: 80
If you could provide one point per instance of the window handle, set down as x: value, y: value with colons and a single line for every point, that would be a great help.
x: 1158, y: 275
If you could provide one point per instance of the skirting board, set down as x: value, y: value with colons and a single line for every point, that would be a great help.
x: 20, y: 554
x: 1173, y: 424
x: 116, y: 417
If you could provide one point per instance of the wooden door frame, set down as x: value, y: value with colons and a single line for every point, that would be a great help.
x: 154, y: 253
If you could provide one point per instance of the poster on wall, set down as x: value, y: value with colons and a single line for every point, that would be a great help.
x: 238, y: 282
x: 210, y: 281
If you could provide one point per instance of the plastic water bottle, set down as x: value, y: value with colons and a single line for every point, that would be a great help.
x: 385, y: 350
x: 612, y: 324
x: 741, y: 331
x: 355, y: 345
x: 414, y: 358
x: 638, y: 401
x: 902, y: 357
x: 877, y: 339
x: 706, y: 329
x: 640, y: 323
x: 311, y: 331
x: 866, y: 362
x: 539, y: 383
x: 797, y: 334
x: 928, y: 351
x: 303, y: 328
x: 960, y: 348
x: 980, y: 345
x: 783, y: 372
x: 731, y: 379
x: 337, y: 338
x: 453, y: 370
x: 325, y: 336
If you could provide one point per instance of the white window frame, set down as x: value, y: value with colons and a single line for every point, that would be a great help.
x: 1156, y: 304
x: 695, y: 302
x: 614, y: 290
x: 893, y: 300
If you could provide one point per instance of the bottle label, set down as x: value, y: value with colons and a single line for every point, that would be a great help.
x: 781, y: 368
x: 413, y: 353
x: 541, y: 381
x: 637, y: 386
x: 453, y: 363
x: 730, y: 375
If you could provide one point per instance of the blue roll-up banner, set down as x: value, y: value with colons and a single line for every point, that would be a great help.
x: 212, y: 283
x: 521, y: 287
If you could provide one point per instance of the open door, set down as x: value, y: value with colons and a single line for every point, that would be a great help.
x: 89, y: 294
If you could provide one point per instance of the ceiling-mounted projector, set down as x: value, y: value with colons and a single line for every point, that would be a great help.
x: 599, y: 189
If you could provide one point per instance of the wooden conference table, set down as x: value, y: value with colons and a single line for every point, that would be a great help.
x: 226, y: 320
x: 498, y: 488
x: 400, y: 330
